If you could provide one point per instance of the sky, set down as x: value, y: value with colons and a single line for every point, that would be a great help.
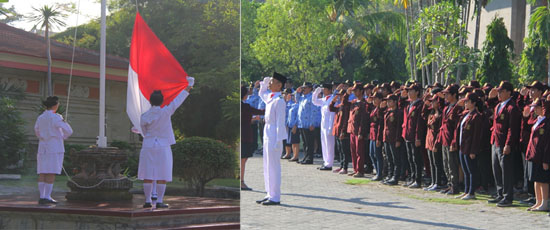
x: 89, y: 9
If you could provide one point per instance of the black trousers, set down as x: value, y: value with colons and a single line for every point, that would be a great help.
x: 436, y: 166
x: 317, y: 140
x: 451, y: 163
x: 485, y: 168
x: 344, y: 151
x: 416, y: 162
x: 308, y: 138
x: 528, y: 186
x: 368, y: 161
x: 393, y: 154
x: 254, y: 136
x: 503, y: 170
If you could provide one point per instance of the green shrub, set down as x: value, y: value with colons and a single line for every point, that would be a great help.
x: 198, y: 160
x: 67, y: 163
x: 132, y: 164
x: 12, y: 135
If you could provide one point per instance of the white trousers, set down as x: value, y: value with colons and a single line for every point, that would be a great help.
x: 49, y: 163
x: 272, y: 168
x: 327, y: 145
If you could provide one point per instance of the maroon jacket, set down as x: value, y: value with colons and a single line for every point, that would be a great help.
x: 393, y: 123
x: 246, y: 117
x: 538, y: 150
x: 413, y: 123
x: 449, y: 120
x: 434, y: 123
x: 340, y: 127
x: 358, y: 122
x: 506, y: 126
x: 471, y: 133
x: 526, y: 125
x: 376, y: 124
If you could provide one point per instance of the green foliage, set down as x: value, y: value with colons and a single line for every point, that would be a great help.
x: 383, y: 59
x: 12, y: 135
x: 198, y: 160
x: 67, y: 163
x: 496, y: 54
x: 202, y: 35
x: 251, y: 69
x: 539, y: 24
x: 132, y: 164
x: 443, y: 21
x: 534, y: 63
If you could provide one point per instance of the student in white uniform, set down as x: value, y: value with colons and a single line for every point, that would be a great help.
x: 155, y: 158
x: 327, y: 121
x: 51, y: 130
x: 274, y: 134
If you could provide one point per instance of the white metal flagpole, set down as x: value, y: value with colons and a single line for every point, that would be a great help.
x: 102, y: 140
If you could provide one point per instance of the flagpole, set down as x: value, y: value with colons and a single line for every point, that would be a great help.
x: 102, y: 140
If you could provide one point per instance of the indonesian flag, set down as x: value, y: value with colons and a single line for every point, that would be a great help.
x: 152, y: 67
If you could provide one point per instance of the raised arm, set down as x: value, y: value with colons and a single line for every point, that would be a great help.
x: 171, y: 108
x: 315, y: 97
x: 263, y: 89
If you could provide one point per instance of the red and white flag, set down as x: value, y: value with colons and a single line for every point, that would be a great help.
x: 152, y: 67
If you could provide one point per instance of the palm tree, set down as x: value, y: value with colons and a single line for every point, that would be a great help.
x: 539, y: 23
x: 46, y: 18
x: 406, y: 5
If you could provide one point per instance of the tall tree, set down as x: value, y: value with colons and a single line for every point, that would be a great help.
x: 496, y: 54
x: 48, y: 17
x: 539, y: 23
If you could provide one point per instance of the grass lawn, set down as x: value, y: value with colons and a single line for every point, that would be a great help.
x: 358, y: 181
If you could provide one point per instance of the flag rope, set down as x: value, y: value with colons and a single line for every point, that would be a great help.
x: 72, y: 63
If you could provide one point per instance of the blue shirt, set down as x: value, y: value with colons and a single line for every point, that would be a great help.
x: 305, y: 110
x: 253, y: 99
x: 351, y: 97
x: 317, y: 116
x: 292, y: 114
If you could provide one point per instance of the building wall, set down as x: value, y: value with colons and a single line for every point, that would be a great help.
x: 516, y: 18
x: 83, y: 108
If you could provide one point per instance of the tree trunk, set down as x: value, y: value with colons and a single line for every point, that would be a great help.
x: 409, y: 43
x: 413, y: 44
x: 422, y: 53
x: 548, y: 80
x: 476, y: 36
x: 49, y: 56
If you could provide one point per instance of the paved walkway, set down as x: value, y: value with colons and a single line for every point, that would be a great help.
x: 313, y: 199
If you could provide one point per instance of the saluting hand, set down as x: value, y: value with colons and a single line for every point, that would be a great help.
x: 472, y: 156
x: 526, y: 111
x: 493, y: 93
x: 523, y: 91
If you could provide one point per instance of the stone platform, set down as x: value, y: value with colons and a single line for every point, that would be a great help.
x: 23, y: 212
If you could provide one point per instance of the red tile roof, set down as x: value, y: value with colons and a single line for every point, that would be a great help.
x: 14, y: 40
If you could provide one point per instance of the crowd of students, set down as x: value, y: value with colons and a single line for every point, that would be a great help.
x: 493, y: 136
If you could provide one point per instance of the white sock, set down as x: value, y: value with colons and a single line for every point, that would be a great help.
x: 48, y: 191
x: 41, y: 189
x: 161, y: 188
x: 147, y: 189
x: 154, y: 192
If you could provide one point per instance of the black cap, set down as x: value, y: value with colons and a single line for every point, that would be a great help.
x: 378, y: 95
x: 414, y: 87
x: 465, y: 89
x: 357, y: 86
x: 287, y: 91
x: 537, y: 85
x: 506, y: 85
x: 392, y: 97
x: 471, y: 96
x: 307, y: 84
x: 50, y: 101
x: 327, y: 85
x: 347, y: 82
x: 279, y: 77
x: 475, y: 84
x: 436, y: 90
x: 452, y: 89
x: 368, y: 86
x: 395, y: 84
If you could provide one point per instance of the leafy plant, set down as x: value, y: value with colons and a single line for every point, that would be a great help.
x: 198, y: 160
x: 496, y: 54
x: 12, y: 135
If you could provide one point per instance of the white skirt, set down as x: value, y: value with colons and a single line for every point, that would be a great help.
x: 155, y: 163
x: 50, y: 163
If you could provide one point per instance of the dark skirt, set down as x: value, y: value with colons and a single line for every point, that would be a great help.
x: 293, y: 138
x: 247, y: 150
x: 537, y: 173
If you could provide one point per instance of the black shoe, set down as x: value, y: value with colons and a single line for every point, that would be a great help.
x: 504, y: 203
x: 154, y: 198
x: 529, y: 201
x: 162, y: 205
x: 286, y: 158
x: 325, y: 168
x: 147, y: 205
x: 261, y: 201
x: 494, y: 201
x: 43, y: 201
x: 307, y: 162
x: 294, y: 160
x: 269, y: 202
x: 246, y: 189
x: 445, y: 190
x: 415, y: 185
x: 376, y: 178
x: 392, y: 181
x: 452, y: 191
x: 51, y: 201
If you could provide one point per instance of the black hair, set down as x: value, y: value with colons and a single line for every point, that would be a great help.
x: 50, y: 102
x: 244, y: 92
x: 156, y: 98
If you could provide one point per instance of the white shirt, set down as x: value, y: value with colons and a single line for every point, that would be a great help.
x: 51, y: 130
x: 327, y: 117
x: 156, y: 123
x: 502, y: 105
x: 539, y: 120
x: 275, y: 113
x: 462, y: 124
